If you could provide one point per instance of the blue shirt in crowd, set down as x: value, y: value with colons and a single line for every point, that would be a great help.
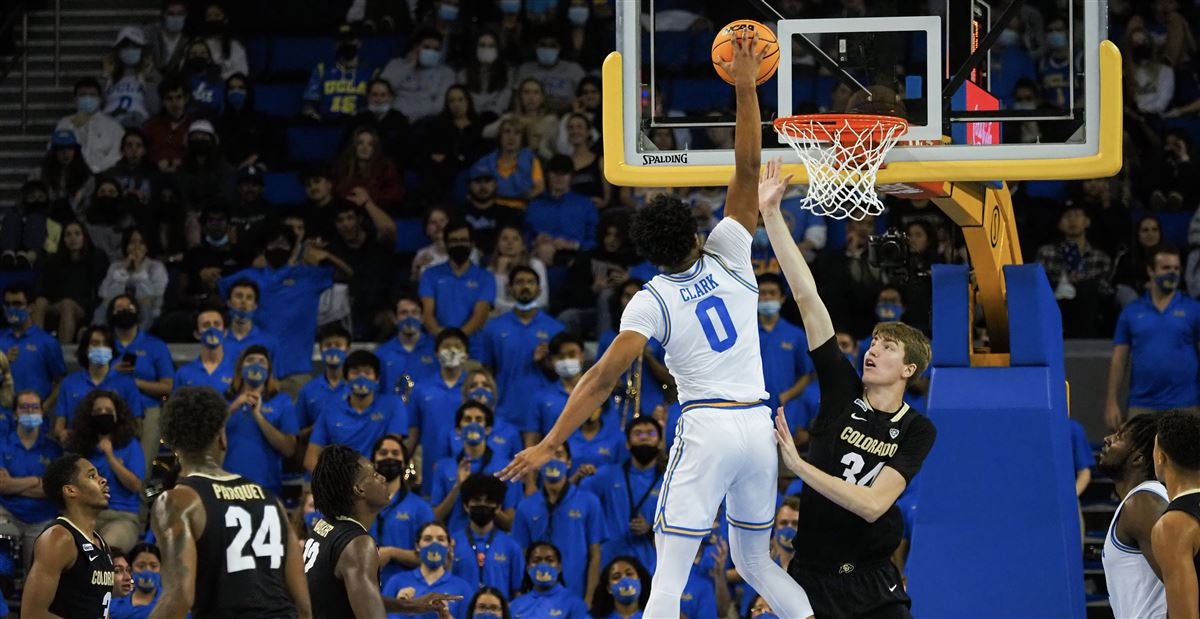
x: 1162, y: 349
x: 32, y: 462
x: 397, y: 525
x: 572, y: 217
x: 316, y: 396
x: 618, y: 498
x: 507, y: 344
x: 651, y: 391
x: 454, y: 296
x: 607, y: 447
x: 785, y: 359
x: 251, y: 455
x: 153, y: 362
x: 419, y: 363
x: 559, y: 602
x: 287, y: 310
x: 431, y: 408
x: 123, y: 608
x: 78, y: 384
x: 254, y: 337
x: 504, y: 440
x: 503, y: 559
x: 576, y: 523
x: 35, y: 357
x: 194, y: 374
x: 341, y: 424
x: 448, y: 583
x: 122, y: 499
x: 445, y: 474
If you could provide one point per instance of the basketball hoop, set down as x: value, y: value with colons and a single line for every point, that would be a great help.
x: 842, y: 153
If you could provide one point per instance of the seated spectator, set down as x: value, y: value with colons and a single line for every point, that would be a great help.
x: 94, y: 356
x: 395, y: 528
x: 505, y: 437
x: 108, y: 216
x: 481, y: 211
x: 204, y: 175
x: 145, y: 560
x: 517, y: 169
x: 473, y: 422
x: 623, y: 590
x: 144, y: 358
x: 487, y: 76
x: 1078, y: 273
x: 227, y: 52
x: 333, y: 340
x: 360, y: 418
x: 248, y: 136
x: 70, y: 283
x: 137, y: 274
x: 320, y: 202
x: 381, y: 116
x: 25, y: 229
x: 98, y: 134
x: 25, y: 512
x: 536, y: 122
x: 433, y: 575
x: 364, y: 164
x: 557, y: 76
x: 589, y: 37
x: 1011, y: 63
x: 64, y: 170
x: 214, y: 367
x: 1150, y: 79
x: 421, y: 78
x: 251, y: 217
x: 242, y: 299
x: 166, y: 132
x: 458, y: 293
x: 454, y: 21
x: 136, y: 174
x: 104, y: 431
x: 1177, y: 184
x: 489, y: 602
x: 202, y: 77
x: 364, y: 252
x: 567, y: 358
x: 287, y: 300
x: 495, y: 559
x: 1131, y: 267
x: 1171, y: 34
x: 122, y: 581
x: 34, y: 356
x: 511, y: 252
x: 434, y: 399
x: 1054, y: 69
x: 130, y: 79
x: 551, y: 515
x: 338, y: 91
x: 451, y: 141
x: 409, y: 357
x: 216, y: 248
x: 788, y: 370
x: 587, y: 102
x: 164, y: 35
x: 587, y: 178
x: 434, y: 253
x: 262, y: 421
x: 561, y: 221
x: 628, y: 493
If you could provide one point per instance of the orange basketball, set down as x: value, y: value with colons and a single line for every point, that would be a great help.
x: 722, y: 48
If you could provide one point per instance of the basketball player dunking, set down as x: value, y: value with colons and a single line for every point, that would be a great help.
x: 866, y: 445
x: 705, y: 313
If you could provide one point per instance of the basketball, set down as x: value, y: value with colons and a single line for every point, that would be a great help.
x: 723, y: 45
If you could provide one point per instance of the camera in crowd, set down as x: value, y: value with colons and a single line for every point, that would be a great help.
x: 889, y: 252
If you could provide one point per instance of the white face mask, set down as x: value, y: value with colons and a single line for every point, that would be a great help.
x: 487, y: 55
x: 452, y: 357
x: 568, y: 368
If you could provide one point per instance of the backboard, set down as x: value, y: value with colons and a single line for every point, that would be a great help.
x: 992, y: 89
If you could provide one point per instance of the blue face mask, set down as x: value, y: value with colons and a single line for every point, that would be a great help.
x: 434, y: 555
x: 482, y: 395
x: 333, y: 357
x: 473, y: 434
x: 554, y: 471
x: 16, y: 316
x: 147, y: 581
x: 1056, y: 40
x: 487, y: 614
x: 174, y: 23
x: 212, y: 337
x: 130, y: 56
x: 237, y: 314
x: 1010, y: 37
x: 510, y: 7
x: 1167, y: 281
x: 100, y: 355
x: 87, y: 104
x: 626, y: 590
x: 543, y: 575
x: 363, y: 386
x: 30, y: 422
x: 236, y: 99
x: 888, y: 312
x: 547, y: 56
x: 761, y: 239
x: 429, y: 58
x: 311, y: 518
x: 525, y: 307
x: 448, y: 12
x: 785, y: 535
x: 577, y: 15
x: 409, y: 324
x: 255, y: 374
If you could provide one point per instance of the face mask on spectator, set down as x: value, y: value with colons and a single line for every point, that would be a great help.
x: 1024, y: 106
x: 482, y: 395
x: 888, y: 312
x: 487, y: 614
x: 130, y: 56
x: 201, y: 147
x: 125, y: 319
x: 333, y: 357
x: 1056, y: 39
x: 87, y: 104
x: 459, y: 254
x: 147, y: 581
x: 390, y: 468
x: 409, y: 324
x: 448, y: 12
x: 510, y: 7
x: 554, y: 471
x: 434, y: 555
x: 1167, y: 281
x: 31, y: 421
x: 482, y: 515
x: 347, y: 52
x: 238, y: 314
x: 195, y: 65
x: 543, y: 575
x: 525, y: 306
x: 474, y: 434
x: 255, y: 374
x: 452, y: 357
x: 221, y: 242
x: 547, y: 56
x: 362, y: 386
x: 769, y: 308
x: 100, y: 355
x: 103, y: 425
x: 761, y: 239
x: 568, y: 368
x: 277, y: 257
x: 578, y: 15
x: 487, y: 55
x: 1010, y: 37
x: 626, y: 590
x: 644, y: 454
x: 16, y: 315
x: 379, y: 109
x: 236, y: 98
x: 211, y: 337
x: 429, y: 58
x: 784, y: 536
x: 174, y: 23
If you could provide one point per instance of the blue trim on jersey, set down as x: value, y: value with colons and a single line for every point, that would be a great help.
x: 751, y: 526
x: 753, y: 288
x: 662, y: 306
x: 660, y: 520
x: 688, y: 275
x: 1112, y: 529
x: 721, y: 404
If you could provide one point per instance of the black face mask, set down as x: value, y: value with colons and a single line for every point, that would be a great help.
x: 195, y: 65
x: 482, y: 515
x: 644, y: 454
x: 104, y: 210
x: 459, y: 254
x: 125, y: 319
x: 202, y: 148
x: 103, y: 425
x: 390, y: 468
x: 347, y: 52
x: 36, y: 206
x: 277, y: 257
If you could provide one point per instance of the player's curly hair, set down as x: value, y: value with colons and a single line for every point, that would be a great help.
x: 333, y: 481
x: 60, y: 472
x: 192, y: 419
x: 664, y: 232
x: 1179, y: 438
x: 1141, y: 431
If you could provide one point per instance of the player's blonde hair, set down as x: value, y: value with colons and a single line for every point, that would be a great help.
x: 916, y: 345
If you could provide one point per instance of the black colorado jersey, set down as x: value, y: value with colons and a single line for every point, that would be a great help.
x: 851, y: 441
x: 322, y: 550
x: 240, y: 554
x: 1188, y: 503
x: 85, y: 588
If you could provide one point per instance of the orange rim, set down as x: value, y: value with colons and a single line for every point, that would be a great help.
x: 814, y: 126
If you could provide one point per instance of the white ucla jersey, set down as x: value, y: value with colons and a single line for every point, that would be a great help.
x: 127, y: 95
x: 1133, y: 589
x: 707, y: 321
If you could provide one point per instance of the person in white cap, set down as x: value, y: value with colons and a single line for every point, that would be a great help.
x: 204, y: 174
x: 131, y: 81
x: 99, y: 135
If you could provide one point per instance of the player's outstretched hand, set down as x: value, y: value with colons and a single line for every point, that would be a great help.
x: 530, y: 460
x: 771, y: 186
x: 746, y: 58
x: 435, y: 603
x: 787, y: 444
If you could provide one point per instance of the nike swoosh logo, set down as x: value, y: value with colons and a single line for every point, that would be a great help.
x: 857, y: 418
x: 92, y: 558
x: 892, y: 588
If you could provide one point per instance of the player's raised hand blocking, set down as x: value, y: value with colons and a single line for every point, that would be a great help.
x: 787, y: 444
x: 746, y: 58
x: 771, y: 186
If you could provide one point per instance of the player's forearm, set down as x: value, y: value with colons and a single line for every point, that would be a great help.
x: 817, y: 323
x: 858, y: 500
x: 747, y: 140
x: 593, y: 389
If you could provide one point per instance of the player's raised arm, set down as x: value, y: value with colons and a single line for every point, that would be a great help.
x: 817, y: 323
x: 742, y: 199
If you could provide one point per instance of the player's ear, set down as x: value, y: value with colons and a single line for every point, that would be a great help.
x: 909, y: 370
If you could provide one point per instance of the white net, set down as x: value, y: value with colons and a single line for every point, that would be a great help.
x: 842, y: 155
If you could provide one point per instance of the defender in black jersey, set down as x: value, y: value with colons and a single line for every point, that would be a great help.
x: 228, y: 547
x: 72, y: 572
x: 341, y: 561
x: 865, y: 446
x: 1176, y: 536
